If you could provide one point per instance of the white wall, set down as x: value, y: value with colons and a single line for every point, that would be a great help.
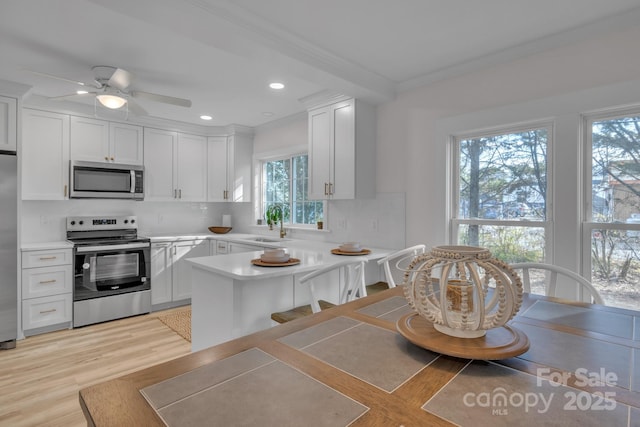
x: 412, y: 130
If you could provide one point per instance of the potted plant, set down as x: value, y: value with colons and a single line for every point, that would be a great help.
x: 275, y: 213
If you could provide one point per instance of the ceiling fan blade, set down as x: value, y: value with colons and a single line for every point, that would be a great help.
x: 162, y: 98
x: 71, y: 96
x: 120, y: 79
x: 135, y: 108
x: 51, y: 76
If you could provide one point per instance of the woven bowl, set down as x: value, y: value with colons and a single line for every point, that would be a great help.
x: 220, y: 230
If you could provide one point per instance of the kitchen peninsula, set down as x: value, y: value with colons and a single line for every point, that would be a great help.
x: 231, y: 297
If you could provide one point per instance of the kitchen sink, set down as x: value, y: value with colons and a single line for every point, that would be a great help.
x: 263, y: 239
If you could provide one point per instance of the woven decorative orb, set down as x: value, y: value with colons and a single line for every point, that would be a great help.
x: 462, y: 290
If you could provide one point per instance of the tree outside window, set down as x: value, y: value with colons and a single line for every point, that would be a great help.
x: 611, y: 226
x: 286, y: 181
x: 502, y: 192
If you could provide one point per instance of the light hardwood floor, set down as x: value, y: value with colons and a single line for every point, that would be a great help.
x: 41, y: 377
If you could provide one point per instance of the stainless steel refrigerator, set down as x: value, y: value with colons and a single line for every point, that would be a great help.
x: 8, y: 249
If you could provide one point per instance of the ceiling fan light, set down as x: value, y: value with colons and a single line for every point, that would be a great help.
x: 111, y: 101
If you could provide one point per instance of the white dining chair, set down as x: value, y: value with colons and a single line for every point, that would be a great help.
x: 352, y: 270
x: 551, y: 286
x: 394, y: 259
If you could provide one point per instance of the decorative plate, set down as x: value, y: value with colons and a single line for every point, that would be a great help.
x: 261, y: 263
x: 498, y: 343
x: 340, y: 252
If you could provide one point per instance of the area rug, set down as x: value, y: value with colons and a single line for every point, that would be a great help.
x: 179, y: 322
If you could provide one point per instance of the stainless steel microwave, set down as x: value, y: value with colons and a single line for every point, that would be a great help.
x: 95, y: 180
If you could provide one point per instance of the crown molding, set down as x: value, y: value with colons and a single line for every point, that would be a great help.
x: 323, y: 98
x: 575, y: 35
x: 18, y: 90
x: 76, y: 109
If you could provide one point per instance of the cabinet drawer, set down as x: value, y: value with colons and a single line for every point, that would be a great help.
x: 46, y: 258
x: 46, y: 281
x: 46, y: 311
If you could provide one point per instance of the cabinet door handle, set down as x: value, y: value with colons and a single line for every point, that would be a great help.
x: 65, y: 190
x: 46, y: 282
x: 47, y: 258
x: 106, y: 158
x: 330, y: 188
x: 112, y: 159
x: 48, y: 311
x: 180, y: 193
x: 175, y: 193
x: 325, y: 189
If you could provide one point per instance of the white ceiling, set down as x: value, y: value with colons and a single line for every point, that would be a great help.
x: 222, y: 54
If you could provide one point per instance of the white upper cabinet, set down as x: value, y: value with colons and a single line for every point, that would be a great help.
x: 229, y: 168
x: 101, y: 141
x: 175, y: 166
x: 126, y: 144
x: 342, y: 151
x: 45, y: 155
x: 217, y: 169
x: 192, y: 168
x: 8, y: 123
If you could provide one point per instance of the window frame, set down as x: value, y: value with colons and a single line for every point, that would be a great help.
x: 455, y: 222
x: 587, y: 223
x: 284, y: 155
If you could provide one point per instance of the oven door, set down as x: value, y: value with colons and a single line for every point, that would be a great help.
x: 111, y: 269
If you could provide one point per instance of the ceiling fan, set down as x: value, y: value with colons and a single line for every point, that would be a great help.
x: 111, y: 88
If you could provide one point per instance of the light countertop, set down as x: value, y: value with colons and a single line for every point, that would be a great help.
x: 41, y: 246
x: 312, y: 255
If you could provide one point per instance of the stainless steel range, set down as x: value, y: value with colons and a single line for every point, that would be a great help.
x: 111, y: 267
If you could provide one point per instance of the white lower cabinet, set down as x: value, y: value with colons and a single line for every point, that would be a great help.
x: 170, y: 274
x: 47, y: 290
x: 44, y: 312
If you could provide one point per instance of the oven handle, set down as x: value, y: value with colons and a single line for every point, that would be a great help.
x: 85, y: 249
x: 133, y: 181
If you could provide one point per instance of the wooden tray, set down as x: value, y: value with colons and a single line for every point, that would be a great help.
x: 498, y: 343
x: 339, y: 252
x: 260, y: 263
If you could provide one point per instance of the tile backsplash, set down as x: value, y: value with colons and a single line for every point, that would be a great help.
x: 378, y: 222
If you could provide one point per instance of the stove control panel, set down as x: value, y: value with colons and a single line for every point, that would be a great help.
x: 90, y: 223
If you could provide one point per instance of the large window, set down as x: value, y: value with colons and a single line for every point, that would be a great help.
x: 501, y: 189
x: 612, y: 226
x: 286, y: 181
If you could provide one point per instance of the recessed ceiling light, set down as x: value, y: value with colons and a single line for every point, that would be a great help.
x: 205, y: 117
x: 276, y: 85
x: 82, y: 92
x: 267, y: 114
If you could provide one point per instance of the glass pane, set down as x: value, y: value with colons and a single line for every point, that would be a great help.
x: 615, y: 267
x: 511, y: 244
x: 304, y: 210
x: 615, y: 170
x: 115, y: 266
x: 276, y: 182
x: 504, y: 176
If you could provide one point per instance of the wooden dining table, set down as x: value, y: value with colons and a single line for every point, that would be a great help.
x: 349, y: 366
